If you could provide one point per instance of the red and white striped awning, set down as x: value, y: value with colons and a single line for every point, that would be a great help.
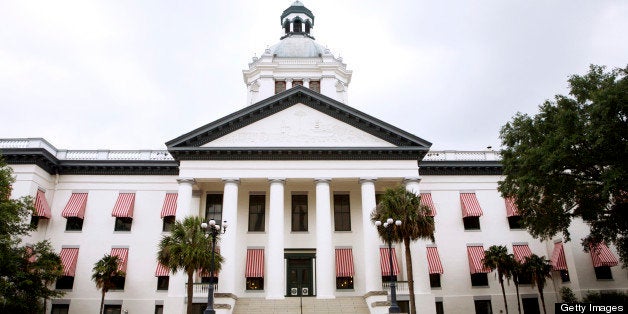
x: 384, y: 262
x: 433, y: 260
x: 170, y: 205
x: 521, y: 252
x: 161, y: 270
x: 476, y: 255
x: 124, y: 206
x: 41, y: 205
x: 75, y: 206
x: 426, y: 200
x: 558, y: 257
x: 344, y: 263
x: 602, y: 256
x: 68, y: 259
x: 470, y: 205
x: 123, y: 255
x: 254, y: 263
x: 511, y: 207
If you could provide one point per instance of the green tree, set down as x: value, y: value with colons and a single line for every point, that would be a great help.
x: 569, y: 160
x: 515, y: 271
x: 104, y: 274
x: 416, y: 223
x: 567, y: 295
x: 26, y: 272
x: 497, y: 258
x: 187, y: 249
x: 539, y: 269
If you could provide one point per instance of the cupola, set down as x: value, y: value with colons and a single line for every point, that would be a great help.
x: 297, y: 19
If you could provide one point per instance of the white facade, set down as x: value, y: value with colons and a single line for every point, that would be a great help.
x: 297, y: 142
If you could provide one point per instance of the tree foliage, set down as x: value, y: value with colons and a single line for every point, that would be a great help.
x: 539, y: 269
x: 569, y: 160
x: 497, y: 258
x: 104, y: 274
x: 26, y: 272
x: 416, y: 223
x: 187, y: 249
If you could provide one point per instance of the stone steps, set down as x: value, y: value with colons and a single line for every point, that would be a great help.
x: 306, y: 305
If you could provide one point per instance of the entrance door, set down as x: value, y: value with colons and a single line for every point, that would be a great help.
x: 300, y: 277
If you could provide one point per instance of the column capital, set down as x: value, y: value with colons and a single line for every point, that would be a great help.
x: 367, y: 179
x: 186, y: 180
x: 279, y: 180
x: 407, y: 180
x: 231, y: 180
x: 322, y: 180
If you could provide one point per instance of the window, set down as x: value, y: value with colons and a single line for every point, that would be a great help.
x: 168, y: 223
x: 344, y: 282
x: 315, y: 86
x: 387, y: 278
x: 213, y: 208
x: 159, y: 309
x: 254, y: 283
x: 530, y: 306
x: 123, y: 224
x: 257, y: 204
x: 342, y: 212
x: 60, y: 309
x: 65, y: 283
x: 35, y: 221
x: 163, y: 282
x: 525, y: 279
x: 603, y: 272
x: 471, y: 223
x: 307, y: 26
x: 118, y: 282
x: 297, y: 26
x: 295, y: 83
x: 435, y: 280
x: 208, y: 279
x: 113, y: 309
x: 483, y: 306
x: 299, y: 212
x: 564, y: 275
x: 404, y: 306
x: 74, y: 224
x: 479, y: 280
x: 439, y: 307
x: 280, y: 86
x: 514, y: 222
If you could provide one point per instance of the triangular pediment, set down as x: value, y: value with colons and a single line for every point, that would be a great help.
x: 298, y: 120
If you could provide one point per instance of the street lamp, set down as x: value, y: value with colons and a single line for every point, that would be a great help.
x: 388, y: 225
x: 212, y: 230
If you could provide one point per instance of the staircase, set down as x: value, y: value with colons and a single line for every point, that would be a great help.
x: 307, y: 305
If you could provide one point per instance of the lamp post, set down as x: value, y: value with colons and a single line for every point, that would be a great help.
x: 388, y: 225
x: 212, y: 230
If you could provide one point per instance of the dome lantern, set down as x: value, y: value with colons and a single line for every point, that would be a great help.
x: 297, y: 19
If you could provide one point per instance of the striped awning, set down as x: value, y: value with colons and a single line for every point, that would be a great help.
x: 42, y: 209
x: 470, y: 205
x: 511, y: 207
x: 124, y: 206
x: 170, y: 205
x: 344, y: 263
x: 254, y: 263
x: 161, y: 270
x: 602, y: 256
x: 75, y: 206
x: 426, y: 200
x: 433, y: 260
x: 476, y: 255
x: 68, y: 259
x: 558, y: 257
x: 384, y: 262
x: 521, y: 252
x: 123, y: 255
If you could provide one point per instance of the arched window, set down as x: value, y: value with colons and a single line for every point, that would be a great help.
x: 308, y: 25
x: 286, y: 26
x: 297, y: 25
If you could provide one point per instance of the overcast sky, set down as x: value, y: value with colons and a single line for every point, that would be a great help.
x: 134, y: 74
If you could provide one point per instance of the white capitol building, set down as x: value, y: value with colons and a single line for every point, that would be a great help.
x: 296, y: 174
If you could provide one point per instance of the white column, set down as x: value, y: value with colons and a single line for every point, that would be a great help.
x: 372, y: 271
x: 325, y: 275
x: 274, y: 277
x: 288, y: 83
x: 412, y: 184
x: 228, y: 241
x: 306, y: 82
x: 184, y: 199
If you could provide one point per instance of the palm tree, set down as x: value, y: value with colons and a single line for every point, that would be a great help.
x: 187, y: 249
x: 515, y: 271
x: 399, y: 204
x: 497, y: 258
x: 104, y: 273
x: 539, y: 269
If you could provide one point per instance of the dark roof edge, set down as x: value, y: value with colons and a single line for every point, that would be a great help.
x: 438, y: 168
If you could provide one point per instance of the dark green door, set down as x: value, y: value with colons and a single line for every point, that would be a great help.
x: 300, y: 278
